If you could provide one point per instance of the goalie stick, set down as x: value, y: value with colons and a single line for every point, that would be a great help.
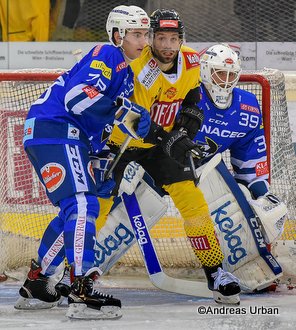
x: 157, y: 276
x: 154, y: 269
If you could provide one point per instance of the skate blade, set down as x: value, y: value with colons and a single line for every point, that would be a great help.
x: 35, y: 304
x: 81, y: 311
x: 228, y: 300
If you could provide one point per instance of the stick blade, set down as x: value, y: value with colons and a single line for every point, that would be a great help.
x: 187, y: 287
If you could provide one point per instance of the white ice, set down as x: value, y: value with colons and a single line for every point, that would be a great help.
x: 145, y: 307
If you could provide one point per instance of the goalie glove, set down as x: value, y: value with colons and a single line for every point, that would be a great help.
x: 271, y: 212
x: 191, y: 119
x: 131, y: 118
x: 100, y: 164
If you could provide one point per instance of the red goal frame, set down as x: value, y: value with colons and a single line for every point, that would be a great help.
x: 244, y: 78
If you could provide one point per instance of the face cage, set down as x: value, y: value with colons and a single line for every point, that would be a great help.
x: 227, y: 84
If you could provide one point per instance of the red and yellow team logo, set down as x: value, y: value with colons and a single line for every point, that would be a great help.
x: 53, y: 175
x: 171, y: 92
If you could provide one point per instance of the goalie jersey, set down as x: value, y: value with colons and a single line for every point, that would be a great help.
x: 238, y: 128
x: 82, y: 100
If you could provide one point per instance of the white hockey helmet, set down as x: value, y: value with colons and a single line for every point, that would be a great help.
x: 217, y: 59
x: 123, y: 18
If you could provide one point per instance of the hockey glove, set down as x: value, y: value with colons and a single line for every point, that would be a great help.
x: 272, y: 198
x: 177, y: 145
x: 272, y: 214
x: 100, y: 165
x: 190, y: 118
x: 131, y: 118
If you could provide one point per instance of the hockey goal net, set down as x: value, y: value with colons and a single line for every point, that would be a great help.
x: 24, y: 207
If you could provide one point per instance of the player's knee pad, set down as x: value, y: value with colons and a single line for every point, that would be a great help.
x: 188, y: 199
x: 80, y: 213
x: 80, y: 203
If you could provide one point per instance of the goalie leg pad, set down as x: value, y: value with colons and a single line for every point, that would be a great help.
x: 238, y: 231
x: 117, y: 236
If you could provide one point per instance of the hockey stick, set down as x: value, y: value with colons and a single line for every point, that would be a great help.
x: 205, y: 169
x: 118, y: 156
x: 209, y: 166
x: 156, y: 274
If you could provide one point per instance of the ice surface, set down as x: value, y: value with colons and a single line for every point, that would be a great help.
x: 145, y: 307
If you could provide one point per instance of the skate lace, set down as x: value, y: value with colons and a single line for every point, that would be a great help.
x: 50, y: 288
x: 223, y: 278
x: 66, y: 279
x: 101, y: 294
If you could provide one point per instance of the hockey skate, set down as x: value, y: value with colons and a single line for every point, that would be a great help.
x: 87, y: 303
x: 64, y: 285
x: 224, y: 285
x: 38, y: 291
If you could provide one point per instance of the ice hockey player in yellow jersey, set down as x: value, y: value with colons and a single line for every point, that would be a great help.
x: 167, y: 76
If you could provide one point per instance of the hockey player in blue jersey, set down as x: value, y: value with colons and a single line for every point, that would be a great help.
x: 65, y: 129
x: 232, y: 119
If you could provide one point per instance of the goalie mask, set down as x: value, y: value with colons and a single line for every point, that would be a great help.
x: 123, y: 18
x: 220, y: 70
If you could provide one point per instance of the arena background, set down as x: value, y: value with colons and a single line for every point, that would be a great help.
x: 205, y: 20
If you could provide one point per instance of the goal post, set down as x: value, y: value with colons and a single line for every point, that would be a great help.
x: 25, y: 210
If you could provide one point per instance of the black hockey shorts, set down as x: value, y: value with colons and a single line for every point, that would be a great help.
x: 163, y: 169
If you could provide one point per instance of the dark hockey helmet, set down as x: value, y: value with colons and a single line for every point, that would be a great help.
x: 167, y: 20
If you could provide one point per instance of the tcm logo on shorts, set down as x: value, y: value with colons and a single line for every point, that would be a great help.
x: 53, y: 175
x: 200, y: 242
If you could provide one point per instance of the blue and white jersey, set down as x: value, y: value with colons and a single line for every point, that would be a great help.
x: 238, y: 128
x: 81, y: 101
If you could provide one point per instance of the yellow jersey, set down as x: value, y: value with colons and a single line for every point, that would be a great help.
x: 160, y: 93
